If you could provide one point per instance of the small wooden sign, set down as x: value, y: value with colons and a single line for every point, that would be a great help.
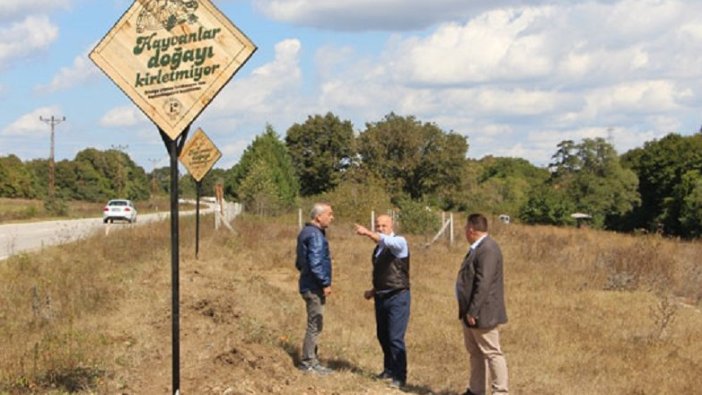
x: 199, y: 155
x: 172, y: 57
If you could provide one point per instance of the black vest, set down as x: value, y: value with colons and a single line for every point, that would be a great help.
x: 389, y: 272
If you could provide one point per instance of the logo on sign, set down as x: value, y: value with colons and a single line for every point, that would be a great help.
x: 173, y: 107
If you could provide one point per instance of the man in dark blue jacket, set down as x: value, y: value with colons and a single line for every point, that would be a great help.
x: 314, y: 263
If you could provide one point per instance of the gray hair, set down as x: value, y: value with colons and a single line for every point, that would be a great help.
x: 318, y: 209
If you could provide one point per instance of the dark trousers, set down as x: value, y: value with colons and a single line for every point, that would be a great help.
x: 392, y: 313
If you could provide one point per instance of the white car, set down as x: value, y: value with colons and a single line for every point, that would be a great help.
x: 119, y: 209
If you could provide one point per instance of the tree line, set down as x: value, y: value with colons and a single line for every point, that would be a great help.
x: 415, y: 166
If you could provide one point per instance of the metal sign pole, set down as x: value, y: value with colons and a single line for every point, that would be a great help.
x: 198, y: 188
x: 173, y: 147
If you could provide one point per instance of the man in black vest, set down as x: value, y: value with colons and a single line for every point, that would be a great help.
x: 391, y: 291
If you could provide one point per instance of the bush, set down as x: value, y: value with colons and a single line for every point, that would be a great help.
x: 56, y: 206
x: 418, y: 218
x: 354, y: 199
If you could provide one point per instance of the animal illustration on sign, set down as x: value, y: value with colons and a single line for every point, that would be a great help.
x: 166, y: 14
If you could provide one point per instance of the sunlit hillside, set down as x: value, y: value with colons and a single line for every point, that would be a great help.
x: 590, y: 313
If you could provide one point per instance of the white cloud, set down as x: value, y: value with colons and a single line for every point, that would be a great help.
x: 522, y: 79
x: 517, y: 79
x: 553, y: 45
x: 382, y: 15
x: 358, y: 14
x: 81, y: 71
x: 640, y: 97
x: 30, y: 124
x: 628, y: 138
x: 13, y: 8
x: 231, y: 153
x: 272, y: 89
x: 122, y: 117
x: 22, y: 39
x: 494, y: 46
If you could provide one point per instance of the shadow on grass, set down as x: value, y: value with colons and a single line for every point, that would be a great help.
x: 70, y: 380
x: 73, y: 380
x: 292, y: 351
x: 342, y: 364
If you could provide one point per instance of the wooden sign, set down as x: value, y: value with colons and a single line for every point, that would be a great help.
x: 172, y: 57
x: 199, y: 155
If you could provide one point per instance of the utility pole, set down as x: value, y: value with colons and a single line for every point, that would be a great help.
x: 154, y: 184
x: 121, y: 178
x: 53, y: 121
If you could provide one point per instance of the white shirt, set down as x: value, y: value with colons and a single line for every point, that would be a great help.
x: 396, y: 244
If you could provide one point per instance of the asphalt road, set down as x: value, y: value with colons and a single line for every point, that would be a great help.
x: 16, y: 238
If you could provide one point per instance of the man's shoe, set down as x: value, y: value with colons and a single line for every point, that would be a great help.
x: 384, y: 375
x: 468, y: 392
x: 398, y: 384
x: 322, y: 370
x: 315, y: 369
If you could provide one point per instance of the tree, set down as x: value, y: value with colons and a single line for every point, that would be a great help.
x: 565, y: 160
x: 660, y: 166
x: 257, y: 190
x: 504, y: 184
x: 413, y: 158
x: 187, y: 183
x: 585, y: 177
x: 602, y: 187
x: 161, y: 180
x: 266, y: 154
x: 321, y: 149
x: 39, y: 171
x: 548, y: 206
x: 16, y: 181
x: 358, y: 192
x: 114, y: 172
x: 690, y: 194
x: 79, y: 180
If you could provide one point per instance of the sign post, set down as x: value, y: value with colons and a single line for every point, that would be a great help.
x: 198, y: 156
x: 174, y: 146
x: 171, y: 58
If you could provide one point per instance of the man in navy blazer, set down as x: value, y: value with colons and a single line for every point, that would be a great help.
x: 481, y: 307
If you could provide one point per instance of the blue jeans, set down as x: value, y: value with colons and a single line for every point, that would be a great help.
x: 391, y: 317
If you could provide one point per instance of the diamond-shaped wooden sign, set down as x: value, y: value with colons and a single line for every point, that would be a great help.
x: 199, y: 155
x: 172, y: 57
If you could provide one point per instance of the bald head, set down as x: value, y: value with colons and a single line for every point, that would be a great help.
x: 384, y: 224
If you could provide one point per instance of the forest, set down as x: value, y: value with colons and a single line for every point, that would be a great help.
x: 403, y: 163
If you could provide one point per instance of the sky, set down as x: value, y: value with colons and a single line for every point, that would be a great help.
x: 515, y: 76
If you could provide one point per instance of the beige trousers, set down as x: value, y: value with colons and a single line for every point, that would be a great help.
x: 483, y: 346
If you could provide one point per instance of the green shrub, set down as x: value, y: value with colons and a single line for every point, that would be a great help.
x: 56, y: 206
x: 353, y: 200
x: 418, y: 218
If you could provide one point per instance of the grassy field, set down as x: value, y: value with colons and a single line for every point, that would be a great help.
x: 590, y: 313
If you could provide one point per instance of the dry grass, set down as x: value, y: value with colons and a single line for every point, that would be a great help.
x: 590, y: 312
